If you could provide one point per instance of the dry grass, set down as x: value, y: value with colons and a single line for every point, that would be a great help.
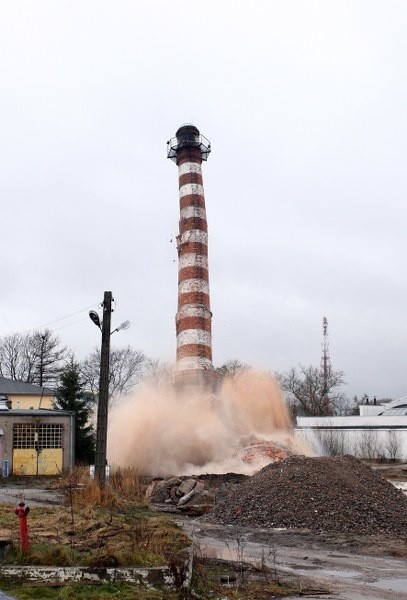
x: 85, y: 592
x: 247, y: 585
x: 124, y: 486
x: 112, y: 527
x: 96, y: 527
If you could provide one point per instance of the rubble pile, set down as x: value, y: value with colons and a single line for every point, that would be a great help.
x: 267, y: 450
x: 337, y: 494
x: 187, y: 495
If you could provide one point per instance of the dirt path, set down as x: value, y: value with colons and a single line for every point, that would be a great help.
x: 33, y: 496
x: 350, y: 567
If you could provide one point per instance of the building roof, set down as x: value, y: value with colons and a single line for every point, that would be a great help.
x: 396, y: 407
x: 20, y: 388
x: 36, y: 412
x: 402, y: 412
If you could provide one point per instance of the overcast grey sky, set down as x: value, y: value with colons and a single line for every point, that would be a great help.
x: 305, y: 103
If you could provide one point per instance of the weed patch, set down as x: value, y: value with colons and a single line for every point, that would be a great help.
x: 84, y: 592
x: 96, y: 527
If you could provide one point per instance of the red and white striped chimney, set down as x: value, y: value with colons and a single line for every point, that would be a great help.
x: 194, y: 318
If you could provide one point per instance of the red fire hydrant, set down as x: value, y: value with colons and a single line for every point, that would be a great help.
x: 22, y: 511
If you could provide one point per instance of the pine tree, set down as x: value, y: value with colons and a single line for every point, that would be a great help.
x: 70, y: 395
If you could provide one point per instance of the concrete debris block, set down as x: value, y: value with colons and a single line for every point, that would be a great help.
x: 200, y: 486
x: 156, y: 491
x: 199, y: 504
x: 167, y: 508
x: 186, y: 487
x: 173, y: 482
x: 190, y: 493
x: 161, y: 490
x: 186, y: 497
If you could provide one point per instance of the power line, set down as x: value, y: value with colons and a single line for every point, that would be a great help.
x: 62, y: 319
x: 69, y: 324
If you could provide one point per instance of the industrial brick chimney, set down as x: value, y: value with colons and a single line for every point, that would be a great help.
x: 194, y: 318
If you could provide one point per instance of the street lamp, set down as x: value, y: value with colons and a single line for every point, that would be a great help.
x: 124, y: 325
x: 95, y: 318
x: 101, y: 425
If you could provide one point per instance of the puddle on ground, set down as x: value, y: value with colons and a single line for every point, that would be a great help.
x: 393, y: 585
x: 228, y: 553
x: 235, y: 554
x: 336, y: 573
x: 400, y: 485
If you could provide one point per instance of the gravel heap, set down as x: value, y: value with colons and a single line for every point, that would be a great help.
x: 322, y: 494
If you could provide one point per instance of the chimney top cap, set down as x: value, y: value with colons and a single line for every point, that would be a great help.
x: 187, y: 129
x: 188, y: 136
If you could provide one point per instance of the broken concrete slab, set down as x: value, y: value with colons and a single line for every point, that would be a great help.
x: 186, y: 487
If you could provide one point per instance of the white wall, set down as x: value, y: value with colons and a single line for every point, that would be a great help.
x: 366, y: 437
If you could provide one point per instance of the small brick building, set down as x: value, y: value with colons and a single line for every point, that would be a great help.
x: 35, y: 438
x: 36, y: 442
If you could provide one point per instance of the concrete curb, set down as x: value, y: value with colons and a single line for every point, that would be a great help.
x: 150, y: 577
x: 171, y: 576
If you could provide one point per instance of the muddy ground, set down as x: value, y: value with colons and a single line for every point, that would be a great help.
x: 347, y: 566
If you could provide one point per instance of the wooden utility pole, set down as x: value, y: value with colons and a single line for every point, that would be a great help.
x: 101, y: 430
x: 42, y: 351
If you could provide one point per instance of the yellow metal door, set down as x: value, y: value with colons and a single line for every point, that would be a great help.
x: 50, y: 461
x: 24, y: 461
x: 45, y: 462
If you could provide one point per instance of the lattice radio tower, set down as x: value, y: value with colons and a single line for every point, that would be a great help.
x: 325, y: 358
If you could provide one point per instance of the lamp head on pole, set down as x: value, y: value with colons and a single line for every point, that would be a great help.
x: 93, y: 315
x: 124, y: 325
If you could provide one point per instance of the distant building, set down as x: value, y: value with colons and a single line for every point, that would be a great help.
x: 35, y: 438
x: 380, y: 431
x: 23, y: 395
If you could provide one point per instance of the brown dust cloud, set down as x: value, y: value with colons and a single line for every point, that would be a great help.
x: 161, y: 432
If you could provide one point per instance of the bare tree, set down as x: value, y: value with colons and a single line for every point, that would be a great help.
x: 33, y: 358
x: 232, y: 368
x: 369, y: 445
x: 126, y: 369
x: 310, y: 393
x: 393, y: 444
x: 156, y: 372
x: 347, y: 406
x: 49, y: 357
x: 13, y: 357
x: 334, y: 442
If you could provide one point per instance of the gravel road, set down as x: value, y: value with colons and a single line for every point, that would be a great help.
x: 32, y: 496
